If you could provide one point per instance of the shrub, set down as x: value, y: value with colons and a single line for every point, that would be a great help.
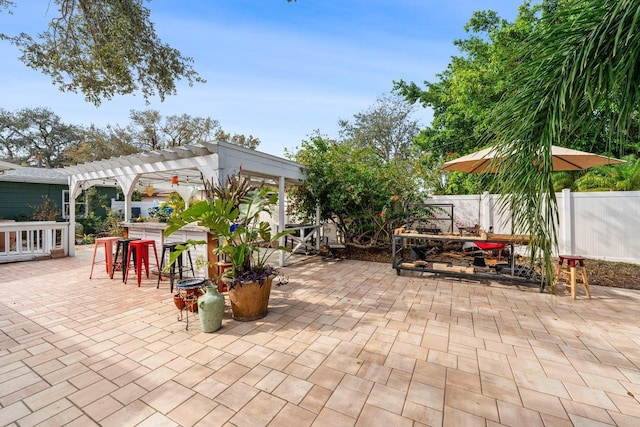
x: 47, y: 211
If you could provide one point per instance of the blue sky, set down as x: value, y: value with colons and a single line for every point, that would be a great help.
x: 275, y: 70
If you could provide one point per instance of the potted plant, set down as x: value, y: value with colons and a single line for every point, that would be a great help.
x: 189, y: 300
x: 245, y: 241
x: 160, y: 213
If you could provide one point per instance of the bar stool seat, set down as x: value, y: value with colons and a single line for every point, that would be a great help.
x: 122, y: 249
x: 141, y: 249
x: 170, y: 248
x: 107, y: 244
x: 575, y: 273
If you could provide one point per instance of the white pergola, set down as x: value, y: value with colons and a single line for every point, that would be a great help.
x: 211, y: 161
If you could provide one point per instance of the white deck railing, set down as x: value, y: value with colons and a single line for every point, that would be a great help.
x: 23, y: 241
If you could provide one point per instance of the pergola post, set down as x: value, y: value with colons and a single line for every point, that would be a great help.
x: 127, y: 184
x: 74, y: 191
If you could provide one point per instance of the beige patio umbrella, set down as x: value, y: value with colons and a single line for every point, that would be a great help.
x: 564, y: 159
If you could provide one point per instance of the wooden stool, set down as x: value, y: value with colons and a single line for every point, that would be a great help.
x: 107, y: 243
x: 570, y: 273
x: 141, y: 249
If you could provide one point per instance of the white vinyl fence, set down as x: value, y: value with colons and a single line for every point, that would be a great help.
x: 597, y: 225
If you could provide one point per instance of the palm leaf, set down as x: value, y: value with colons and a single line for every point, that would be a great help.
x: 581, y: 57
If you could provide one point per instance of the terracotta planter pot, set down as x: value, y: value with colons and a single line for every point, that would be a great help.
x: 188, y: 301
x: 250, y: 301
x: 179, y: 302
x: 192, y: 303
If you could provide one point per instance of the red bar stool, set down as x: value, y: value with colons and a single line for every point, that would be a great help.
x: 107, y: 244
x: 570, y: 273
x: 141, y: 249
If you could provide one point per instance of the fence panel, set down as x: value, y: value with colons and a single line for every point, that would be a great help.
x: 604, y: 225
x: 598, y: 225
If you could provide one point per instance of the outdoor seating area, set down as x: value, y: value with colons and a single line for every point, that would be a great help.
x: 344, y: 343
x: 462, y: 252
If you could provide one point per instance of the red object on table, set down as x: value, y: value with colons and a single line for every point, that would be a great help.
x: 488, y: 246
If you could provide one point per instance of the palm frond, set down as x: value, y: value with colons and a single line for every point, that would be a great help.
x: 583, y: 57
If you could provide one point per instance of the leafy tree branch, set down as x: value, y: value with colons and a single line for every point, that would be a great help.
x: 102, y: 49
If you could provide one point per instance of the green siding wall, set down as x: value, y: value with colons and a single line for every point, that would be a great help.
x: 110, y: 193
x: 16, y: 198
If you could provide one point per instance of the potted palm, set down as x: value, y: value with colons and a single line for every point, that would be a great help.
x: 245, y: 240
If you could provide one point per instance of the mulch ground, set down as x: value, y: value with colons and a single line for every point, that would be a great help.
x: 603, y: 273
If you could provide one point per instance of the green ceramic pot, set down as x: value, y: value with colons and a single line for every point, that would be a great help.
x: 211, y: 309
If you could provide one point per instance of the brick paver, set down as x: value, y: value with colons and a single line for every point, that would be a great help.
x: 345, y: 343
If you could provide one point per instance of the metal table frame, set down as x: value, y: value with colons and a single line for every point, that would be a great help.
x: 183, y: 287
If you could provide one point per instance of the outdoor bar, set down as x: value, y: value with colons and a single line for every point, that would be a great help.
x: 184, y: 165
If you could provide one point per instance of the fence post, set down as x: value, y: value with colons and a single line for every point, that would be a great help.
x: 566, y: 224
x: 48, y: 240
x: 486, y: 212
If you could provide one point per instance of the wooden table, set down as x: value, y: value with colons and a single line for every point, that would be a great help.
x: 407, y: 239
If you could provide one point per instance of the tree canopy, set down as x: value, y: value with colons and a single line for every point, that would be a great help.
x: 363, y: 180
x: 152, y: 131
x: 100, y: 143
x: 39, y: 137
x: 579, y: 79
x: 466, y: 95
x: 467, y: 91
x: 386, y: 126
x: 36, y: 136
x: 103, y: 48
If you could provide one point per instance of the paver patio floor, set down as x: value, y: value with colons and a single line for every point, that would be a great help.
x: 346, y: 343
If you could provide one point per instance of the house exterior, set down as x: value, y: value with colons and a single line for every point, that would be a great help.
x: 22, y: 188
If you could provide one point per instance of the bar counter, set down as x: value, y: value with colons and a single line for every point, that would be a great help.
x: 155, y: 231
